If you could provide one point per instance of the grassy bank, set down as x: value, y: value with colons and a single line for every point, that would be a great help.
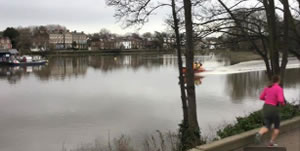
x: 254, y: 120
x: 157, y: 142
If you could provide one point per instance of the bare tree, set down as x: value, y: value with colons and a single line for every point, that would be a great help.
x: 193, y: 126
x: 40, y: 38
x: 267, y: 32
x: 180, y: 62
x: 258, y: 24
x: 24, y: 40
x: 137, y: 13
x: 290, y: 27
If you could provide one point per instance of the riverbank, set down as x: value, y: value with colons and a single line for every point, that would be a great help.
x: 241, y: 133
x: 234, y: 56
x: 288, y: 138
x: 96, y: 52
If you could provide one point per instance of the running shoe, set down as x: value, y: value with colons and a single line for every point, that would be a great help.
x: 257, y: 139
x: 272, y: 144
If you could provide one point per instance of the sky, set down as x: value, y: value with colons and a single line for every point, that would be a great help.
x: 89, y: 16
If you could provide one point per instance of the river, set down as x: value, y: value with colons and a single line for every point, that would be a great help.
x: 76, y: 100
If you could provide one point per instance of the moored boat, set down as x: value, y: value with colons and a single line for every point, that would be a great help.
x: 11, y: 58
x: 28, y: 61
x: 31, y: 63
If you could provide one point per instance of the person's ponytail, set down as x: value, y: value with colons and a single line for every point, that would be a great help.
x: 275, y: 79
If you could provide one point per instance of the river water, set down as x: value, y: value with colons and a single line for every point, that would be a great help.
x: 76, y: 100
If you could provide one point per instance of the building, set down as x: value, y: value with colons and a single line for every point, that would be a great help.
x: 56, y: 40
x: 169, y: 43
x: 97, y: 44
x: 5, y: 43
x: 137, y: 43
x: 120, y: 43
x: 67, y: 40
x: 79, y: 40
x: 105, y: 44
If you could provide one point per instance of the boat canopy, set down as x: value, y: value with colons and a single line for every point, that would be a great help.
x: 9, y: 51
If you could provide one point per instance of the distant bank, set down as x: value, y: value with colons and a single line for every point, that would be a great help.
x: 234, y: 56
x: 112, y: 51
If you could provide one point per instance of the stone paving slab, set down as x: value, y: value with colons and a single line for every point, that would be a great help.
x: 265, y: 149
x: 289, y: 140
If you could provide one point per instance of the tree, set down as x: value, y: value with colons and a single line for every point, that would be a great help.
x: 184, y: 125
x: 291, y: 28
x: 40, y: 38
x: 255, y: 29
x: 52, y: 28
x: 74, y: 45
x: 137, y: 13
x: 24, y: 40
x: 105, y: 34
x: 12, y: 34
x: 147, y: 35
x: 159, y: 38
x: 268, y: 27
x: 193, y: 126
x: 148, y: 40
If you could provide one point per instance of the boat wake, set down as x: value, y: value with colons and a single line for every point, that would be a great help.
x: 249, y: 66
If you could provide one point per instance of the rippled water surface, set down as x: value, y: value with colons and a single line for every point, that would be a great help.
x: 75, y: 100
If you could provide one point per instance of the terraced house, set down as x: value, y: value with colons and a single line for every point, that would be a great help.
x: 119, y: 43
x: 5, y: 43
x: 59, y: 40
x: 79, y: 40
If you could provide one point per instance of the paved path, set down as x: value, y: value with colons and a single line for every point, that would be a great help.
x: 290, y: 140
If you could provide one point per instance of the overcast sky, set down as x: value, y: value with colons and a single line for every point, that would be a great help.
x: 82, y: 15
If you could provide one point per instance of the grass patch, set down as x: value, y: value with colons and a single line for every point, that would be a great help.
x: 254, y: 120
x: 157, y: 142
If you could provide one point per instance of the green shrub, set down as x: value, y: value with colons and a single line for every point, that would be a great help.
x: 254, y: 120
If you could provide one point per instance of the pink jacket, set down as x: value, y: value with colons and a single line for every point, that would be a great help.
x: 273, y: 95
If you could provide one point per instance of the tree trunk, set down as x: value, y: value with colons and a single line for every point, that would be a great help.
x: 181, y: 78
x: 193, y: 121
x: 273, y: 41
x: 298, y: 4
x: 287, y: 21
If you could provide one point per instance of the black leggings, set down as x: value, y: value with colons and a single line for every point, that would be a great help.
x: 270, y: 116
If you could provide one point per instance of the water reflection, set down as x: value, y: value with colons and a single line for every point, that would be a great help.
x: 64, y: 67
x: 291, y: 78
x: 60, y: 68
x: 197, y: 80
x: 243, y: 85
x: 14, y: 74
